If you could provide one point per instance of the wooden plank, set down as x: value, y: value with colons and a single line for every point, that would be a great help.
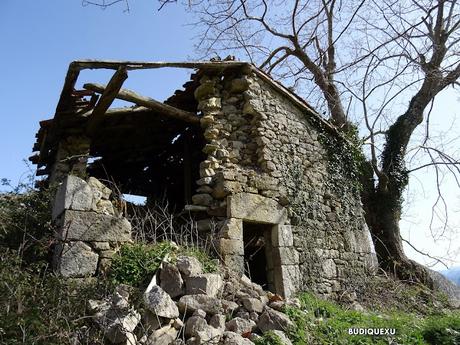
x: 65, y: 101
x: 105, y: 101
x: 132, y: 65
x: 164, y: 109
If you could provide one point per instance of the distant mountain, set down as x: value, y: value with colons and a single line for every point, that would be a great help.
x: 453, y: 274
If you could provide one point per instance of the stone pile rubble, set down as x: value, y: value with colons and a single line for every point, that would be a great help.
x: 183, y: 305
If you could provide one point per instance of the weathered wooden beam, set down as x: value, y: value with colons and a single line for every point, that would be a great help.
x: 69, y: 84
x: 132, y: 65
x: 105, y: 101
x: 130, y: 96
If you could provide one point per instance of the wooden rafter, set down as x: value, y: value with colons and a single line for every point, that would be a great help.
x: 108, y: 96
x: 131, y: 96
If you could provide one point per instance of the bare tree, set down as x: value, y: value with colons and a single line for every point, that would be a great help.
x: 359, y: 61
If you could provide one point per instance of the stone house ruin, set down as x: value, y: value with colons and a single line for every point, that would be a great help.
x: 258, y: 168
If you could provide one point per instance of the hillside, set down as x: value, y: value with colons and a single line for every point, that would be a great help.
x: 37, y: 307
x: 453, y: 274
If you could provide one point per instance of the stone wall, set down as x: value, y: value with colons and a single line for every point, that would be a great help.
x: 90, y: 228
x: 265, y: 154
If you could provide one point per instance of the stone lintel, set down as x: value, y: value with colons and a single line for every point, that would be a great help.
x: 255, y: 208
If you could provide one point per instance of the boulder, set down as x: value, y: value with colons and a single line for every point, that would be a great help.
x: 200, y: 313
x: 163, y: 336
x: 160, y: 303
x: 100, y: 190
x: 189, y: 266
x: 232, y: 338
x: 273, y: 320
x: 252, y: 304
x: 193, y: 325
x: 117, y: 324
x: 151, y: 321
x: 171, y: 281
x: 240, y: 326
x: 218, y: 321
x: 209, y: 335
x: 208, y: 284
x: 211, y: 305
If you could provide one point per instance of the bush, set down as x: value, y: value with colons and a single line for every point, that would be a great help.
x: 442, y: 330
x: 25, y: 223
x: 209, y: 264
x: 135, y: 264
x: 269, y: 338
x: 39, y: 308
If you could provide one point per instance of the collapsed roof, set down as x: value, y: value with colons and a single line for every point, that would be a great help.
x: 131, y: 141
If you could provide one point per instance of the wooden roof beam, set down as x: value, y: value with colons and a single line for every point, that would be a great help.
x: 133, y: 65
x: 105, y: 101
x: 130, y: 96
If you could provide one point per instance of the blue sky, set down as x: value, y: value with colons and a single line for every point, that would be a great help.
x: 41, y: 37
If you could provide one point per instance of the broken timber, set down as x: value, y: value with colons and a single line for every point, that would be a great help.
x: 130, y: 96
x: 107, y: 97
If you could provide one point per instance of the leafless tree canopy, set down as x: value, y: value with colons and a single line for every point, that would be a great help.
x: 377, y: 64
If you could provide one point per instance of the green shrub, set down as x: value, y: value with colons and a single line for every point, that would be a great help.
x: 269, y: 338
x: 442, y: 330
x: 39, y: 308
x: 25, y: 222
x: 209, y: 264
x: 135, y: 264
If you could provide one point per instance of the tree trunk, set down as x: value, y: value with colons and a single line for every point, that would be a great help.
x: 382, y: 200
x: 383, y: 218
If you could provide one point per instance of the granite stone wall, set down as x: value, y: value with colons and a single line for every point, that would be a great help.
x: 268, y: 163
x: 90, y: 227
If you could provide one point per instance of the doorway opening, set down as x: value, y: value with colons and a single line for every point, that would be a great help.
x: 258, y: 264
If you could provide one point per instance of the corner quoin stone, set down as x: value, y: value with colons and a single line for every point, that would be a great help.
x: 75, y: 259
x: 73, y: 194
x: 92, y: 226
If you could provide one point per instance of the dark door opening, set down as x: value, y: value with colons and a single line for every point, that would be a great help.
x: 257, y: 249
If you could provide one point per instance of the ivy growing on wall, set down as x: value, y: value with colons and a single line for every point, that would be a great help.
x: 345, y: 165
x: 346, y: 160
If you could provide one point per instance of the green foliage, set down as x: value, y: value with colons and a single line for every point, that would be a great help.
x: 39, y: 308
x: 346, y: 160
x: 269, y: 338
x: 136, y: 263
x: 25, y: 222
x: 323, y: 322
x: 209, y: 264
x: 442, y: 330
